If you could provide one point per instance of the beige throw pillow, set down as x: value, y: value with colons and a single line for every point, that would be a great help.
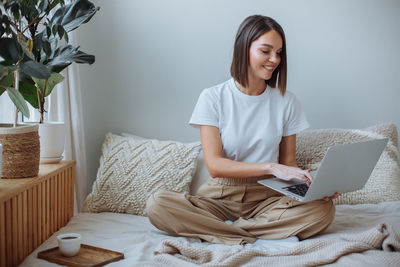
x: 384, y: 182
x: 131, y: 170
x: 200, y: 176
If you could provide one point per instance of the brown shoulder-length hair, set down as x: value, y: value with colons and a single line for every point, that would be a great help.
x: 250, y: 30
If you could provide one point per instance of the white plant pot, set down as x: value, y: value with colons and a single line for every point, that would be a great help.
x: 52, y: 140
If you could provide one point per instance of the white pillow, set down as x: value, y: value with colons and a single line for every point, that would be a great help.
x: 132, y: 169
x: 201, y: 175
x: 384, y: 182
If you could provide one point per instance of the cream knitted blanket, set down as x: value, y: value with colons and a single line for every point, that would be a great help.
x: 379, y: 246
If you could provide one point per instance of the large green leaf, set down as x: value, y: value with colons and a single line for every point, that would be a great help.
x: 60, y: 31
x: 16, y: 12
x: 35, y: 69
x: 2, y: 80
x: 28, y: 90
x: 9, y: 3
x: 43, y: 5
x: 10, y: 49
x: 28, y: 9
x: 4, y: 23
x: 71, y: 16
x: 18, y: 101
x: 54, y: 79
x: 47, y: 45
x: 54, y: 3
x: 65, y: 55
x: 5, y: 70
x: 6, y: 78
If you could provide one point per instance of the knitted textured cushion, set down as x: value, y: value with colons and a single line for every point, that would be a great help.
x: 384, y: 182
x: 131, y: 170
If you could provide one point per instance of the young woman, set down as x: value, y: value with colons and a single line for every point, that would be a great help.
x: 248, y: 128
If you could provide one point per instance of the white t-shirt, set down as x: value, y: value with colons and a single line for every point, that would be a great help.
x: 251, y: 127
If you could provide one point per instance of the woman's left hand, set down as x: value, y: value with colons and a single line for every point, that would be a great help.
x: 336, y: 195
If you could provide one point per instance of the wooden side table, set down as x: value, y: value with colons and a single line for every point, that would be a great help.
x: 32, y: 209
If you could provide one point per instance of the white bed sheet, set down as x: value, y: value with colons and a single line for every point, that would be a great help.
x: 137, y: 238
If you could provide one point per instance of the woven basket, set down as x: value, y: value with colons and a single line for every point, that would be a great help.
x: 21, y: 151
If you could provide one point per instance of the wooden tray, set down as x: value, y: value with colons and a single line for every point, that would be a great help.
x: 87, y: 256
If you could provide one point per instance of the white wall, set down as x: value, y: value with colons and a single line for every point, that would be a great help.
x: 153, y: 58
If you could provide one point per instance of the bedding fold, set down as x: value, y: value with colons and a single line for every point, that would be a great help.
x: 380, y: 244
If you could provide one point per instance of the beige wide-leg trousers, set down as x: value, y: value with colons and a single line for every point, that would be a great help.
x: 255, y: 210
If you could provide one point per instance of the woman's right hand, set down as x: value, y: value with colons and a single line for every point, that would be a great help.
x: 289, y: 173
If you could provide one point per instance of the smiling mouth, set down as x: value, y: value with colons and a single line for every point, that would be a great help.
x: 269, y: 68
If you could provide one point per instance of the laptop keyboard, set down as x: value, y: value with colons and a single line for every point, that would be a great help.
x: 298, y: 189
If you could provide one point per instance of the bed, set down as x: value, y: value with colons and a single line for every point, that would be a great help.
x: 364, y: 232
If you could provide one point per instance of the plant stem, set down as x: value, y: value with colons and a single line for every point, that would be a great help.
x: 33, y: 21
x: 16, y: 86
x: 42, y: 103
x: 38, y: 97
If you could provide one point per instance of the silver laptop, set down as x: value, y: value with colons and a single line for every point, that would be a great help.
x: 344, y: 168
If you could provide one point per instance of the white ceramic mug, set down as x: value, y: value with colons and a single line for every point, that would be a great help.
x: 69, y: 244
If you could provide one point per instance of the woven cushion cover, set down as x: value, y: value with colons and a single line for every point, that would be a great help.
x: 131, y: 170
x: 384, y: 182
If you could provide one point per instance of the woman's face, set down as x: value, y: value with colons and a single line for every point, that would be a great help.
x: 264, y: 56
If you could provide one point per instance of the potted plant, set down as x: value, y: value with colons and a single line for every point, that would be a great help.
x: 34, y: 47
